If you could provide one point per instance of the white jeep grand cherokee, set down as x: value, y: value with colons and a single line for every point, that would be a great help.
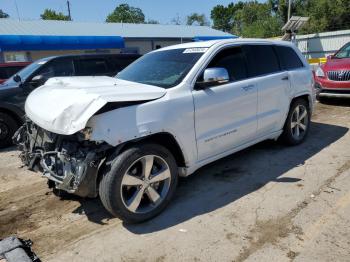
x: 176, y: 109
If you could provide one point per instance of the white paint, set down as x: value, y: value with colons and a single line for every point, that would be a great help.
x: 64, y: 104
x: 207, y: 124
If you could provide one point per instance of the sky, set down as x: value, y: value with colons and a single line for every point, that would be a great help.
x: 97, y: 10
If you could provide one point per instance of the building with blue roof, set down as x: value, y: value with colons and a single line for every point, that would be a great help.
x: 34, y: 39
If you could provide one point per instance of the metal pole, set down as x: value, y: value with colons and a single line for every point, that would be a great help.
x: 68, y: 5
x: 19, y: 17
x: 289, y: 8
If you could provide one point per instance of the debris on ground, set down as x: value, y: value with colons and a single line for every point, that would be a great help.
x: 13, y: 249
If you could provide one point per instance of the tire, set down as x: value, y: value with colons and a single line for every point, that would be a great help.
x: 121, y: 184
x: 290, y: 134
x: 8, y: 127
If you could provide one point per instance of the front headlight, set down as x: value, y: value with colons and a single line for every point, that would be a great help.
x: 319, y: 72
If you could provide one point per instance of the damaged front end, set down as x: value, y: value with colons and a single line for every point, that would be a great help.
x: 70, y: 162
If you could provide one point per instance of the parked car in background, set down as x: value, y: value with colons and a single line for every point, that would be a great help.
x: 332, y: 79
x: 15, y: 90
x: 9, y: 69
x: 169, y: 113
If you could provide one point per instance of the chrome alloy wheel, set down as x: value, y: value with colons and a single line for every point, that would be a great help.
x: 299, y: 122
x: 145, y: 184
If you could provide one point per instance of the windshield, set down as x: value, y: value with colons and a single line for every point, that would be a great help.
x: 344, y: 52
x: 28, y: 70
x: 162, y: 68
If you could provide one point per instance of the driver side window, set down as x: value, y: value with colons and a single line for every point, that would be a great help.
x: 55, y: 68
x: 233, y: 60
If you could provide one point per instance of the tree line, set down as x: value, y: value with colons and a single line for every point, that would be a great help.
x: 265, y: 19
x: 244, y: 18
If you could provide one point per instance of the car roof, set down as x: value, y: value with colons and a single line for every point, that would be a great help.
x: 89, y: 56
x: 96, y: 55
x: 207, y: 44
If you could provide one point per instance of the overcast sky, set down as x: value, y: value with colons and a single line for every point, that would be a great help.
x: 97, y: 10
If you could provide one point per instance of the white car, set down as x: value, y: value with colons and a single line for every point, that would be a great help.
x: 176, y: 109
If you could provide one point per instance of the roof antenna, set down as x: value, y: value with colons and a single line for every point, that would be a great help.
x: 19, y: 18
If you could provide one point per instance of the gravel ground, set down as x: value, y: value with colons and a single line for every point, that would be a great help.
x: 266, y: 203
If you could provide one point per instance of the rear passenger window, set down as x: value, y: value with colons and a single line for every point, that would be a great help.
x: 288, y: 58
x: 233, y: 60
x: 94, y: 66
x: 261, y: 59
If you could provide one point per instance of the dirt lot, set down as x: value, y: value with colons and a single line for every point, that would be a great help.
x: 267, y: 203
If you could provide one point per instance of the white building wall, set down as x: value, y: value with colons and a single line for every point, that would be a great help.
x: 146, y: 45
x: 322, y: 44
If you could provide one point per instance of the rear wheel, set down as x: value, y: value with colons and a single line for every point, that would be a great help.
x: 297, y: 123
x: 139, y: 183
x: 8, y: 127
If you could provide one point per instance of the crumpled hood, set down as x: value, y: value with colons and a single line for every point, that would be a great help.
x: 64, y: 104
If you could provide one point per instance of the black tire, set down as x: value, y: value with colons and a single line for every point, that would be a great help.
x: 287, y: 135
x: 110, y: 187
x: 8, y: 127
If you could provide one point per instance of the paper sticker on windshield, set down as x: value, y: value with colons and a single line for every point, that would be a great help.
x: 195, y: 50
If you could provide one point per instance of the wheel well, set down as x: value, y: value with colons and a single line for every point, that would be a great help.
x: 17, y: 118
x: 168, y: 141
x: 307, y: 99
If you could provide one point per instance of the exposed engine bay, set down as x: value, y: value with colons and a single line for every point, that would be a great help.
x: 70, y: 162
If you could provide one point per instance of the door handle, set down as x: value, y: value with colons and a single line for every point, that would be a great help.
x: 285, y: 78
x: 248, y: 87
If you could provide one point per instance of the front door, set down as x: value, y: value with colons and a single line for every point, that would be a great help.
x: 225, y: 115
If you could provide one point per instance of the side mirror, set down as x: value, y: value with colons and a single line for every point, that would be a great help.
x: 38, y: 80
x: 17, y: 78
x: 330, y: 57
x: 214, y: 76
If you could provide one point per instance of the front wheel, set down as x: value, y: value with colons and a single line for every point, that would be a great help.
x: 297, y: 123
x: 139, y: 183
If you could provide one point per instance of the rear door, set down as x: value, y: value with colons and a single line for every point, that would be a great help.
x: 225, y: 115
x: 299, y: 76
x: 273, y: 87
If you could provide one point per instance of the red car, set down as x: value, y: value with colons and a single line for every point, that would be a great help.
x: 9, y: 69
x: 332, y: 79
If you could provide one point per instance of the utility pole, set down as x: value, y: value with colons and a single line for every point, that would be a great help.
x: 68, y: 6
x: 289, y: 8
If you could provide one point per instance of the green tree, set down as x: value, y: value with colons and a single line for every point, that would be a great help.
x: 126, y: 14
x: 3, y: 14
x: 248, y: 19
x: 53, y: 15
x: 152, y: 21
x: 265, y: 19
x: 197, y: 19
